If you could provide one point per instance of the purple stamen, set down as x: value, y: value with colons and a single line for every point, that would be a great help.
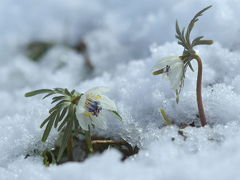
x: 93, y: 106
x: 167, y: 68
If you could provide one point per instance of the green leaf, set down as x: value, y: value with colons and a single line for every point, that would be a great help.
x: 63, y: 113
x: 72, y: 92
x: 190, y: 65
x: 36, y: 92
x: 193, y: 21
x: 58, y: 98
x: 45, y: 121
x: 204, y: 42
x: 166, y: 120
x: 60, y: 116
x: 57, y: 119
x: 64, y: 122
x: 184, y: 38
x: 67, y: 92
x: 117, y: 114
x: 49, y: 94
x: 67, y: 133
x: 196, y: 40
x: 59, y: 105
x: 179, y: 42
x: 48, y: 128
x: 59, y: 90
x: 48, y: 118
x: 178, y: 31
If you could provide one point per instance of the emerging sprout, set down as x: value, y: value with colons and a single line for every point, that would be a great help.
x: 68, y: 112
x: 175, y: 67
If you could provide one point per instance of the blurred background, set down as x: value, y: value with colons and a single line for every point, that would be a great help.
x: 99, y: 34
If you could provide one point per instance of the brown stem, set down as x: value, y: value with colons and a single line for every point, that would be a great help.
x: 69, y: 149
x: 199, y: 92
x: 107, y: 142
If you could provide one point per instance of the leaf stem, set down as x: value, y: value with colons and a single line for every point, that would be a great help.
x: 104, y: 141
x: 199, y: 92
x: 69, y: 148
x: 89, y: 141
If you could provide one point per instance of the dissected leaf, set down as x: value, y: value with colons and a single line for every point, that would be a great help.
x: 58, y: 98
x: 59, y: 90
x: 48, y: 128
x: 203, y: 42
x: 63, y: 113
x: 184, y: 38
x: 72, y: 92
x: 192, y: 22
x: 67, y: 133
x: 67, y: 92
x: 65, y: 120
x: 57, y: 119
x: 59, y: 106
x: 47, y: 119
x: 49, y: 94
x: 36, y: 92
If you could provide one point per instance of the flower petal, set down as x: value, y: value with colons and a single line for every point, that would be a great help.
x: 84, y: 121
x: 176, y: 74
x: 99, y: 121
x: 81, y: 104
x: 107, y: 103
x: 98, y: 90
x: 162, y: 63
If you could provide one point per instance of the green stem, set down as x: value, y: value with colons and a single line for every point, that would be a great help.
x: 199, y: 92
x: 89, y: 141
x: 69, y: 149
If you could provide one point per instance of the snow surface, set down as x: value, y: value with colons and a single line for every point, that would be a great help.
x: 125, y: 40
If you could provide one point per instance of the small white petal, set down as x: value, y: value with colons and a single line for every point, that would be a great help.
x: 98, y: 90
x: 162, y: 63
x: 84, y: 121
x: 107, y: 103
x: 175, y: 75
x: 99, y: 121
x: 80, y: 107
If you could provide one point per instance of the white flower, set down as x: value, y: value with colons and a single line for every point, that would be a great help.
x: 91, y: 107
x: 173, y: 67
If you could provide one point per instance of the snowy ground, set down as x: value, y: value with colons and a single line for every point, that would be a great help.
x: 125, y: 39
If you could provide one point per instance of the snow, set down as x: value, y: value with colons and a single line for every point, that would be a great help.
x: 124, y: 39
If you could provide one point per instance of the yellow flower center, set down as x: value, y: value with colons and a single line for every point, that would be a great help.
x: 92, y: 96
x: 87, y: 114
